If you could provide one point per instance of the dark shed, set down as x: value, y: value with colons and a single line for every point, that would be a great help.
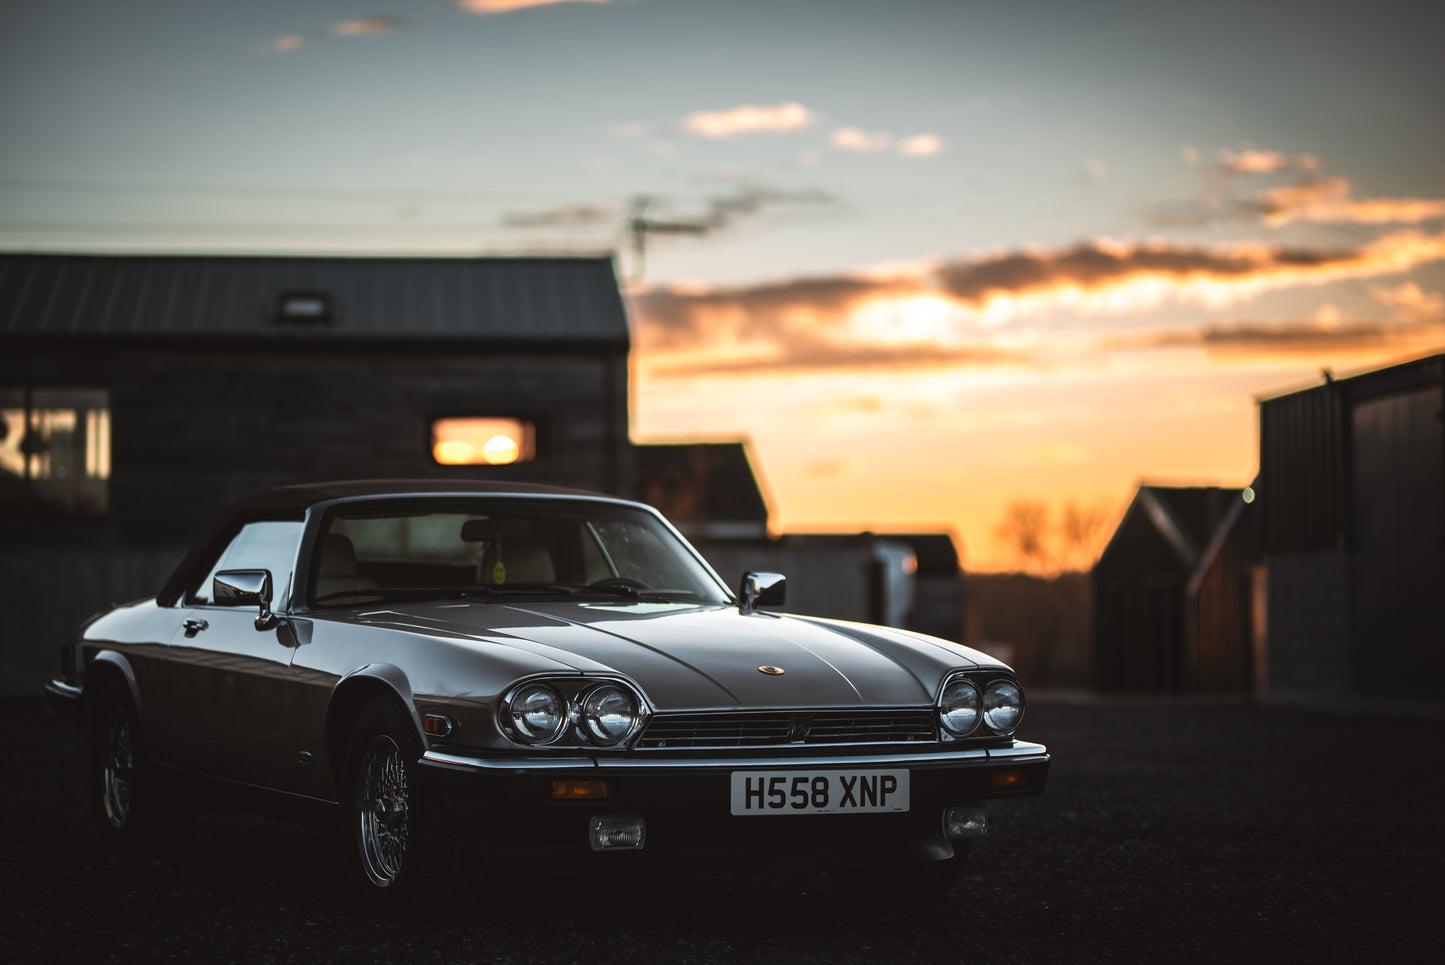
x: 708, y: 489
x: 1146, y: 634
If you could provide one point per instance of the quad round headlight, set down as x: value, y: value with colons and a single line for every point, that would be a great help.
x: 958, y: 706
x: 609, y: 714
x: 537, y: 713
x: 1003, y: 706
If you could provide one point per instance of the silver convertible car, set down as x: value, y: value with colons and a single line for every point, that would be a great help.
x: 475, y: 680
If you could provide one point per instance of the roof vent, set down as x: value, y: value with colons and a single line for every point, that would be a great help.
x: 304, y: 308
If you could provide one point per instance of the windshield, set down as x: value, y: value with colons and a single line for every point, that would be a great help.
x: 426, y: 548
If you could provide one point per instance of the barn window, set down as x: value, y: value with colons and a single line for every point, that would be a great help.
x: 55, y: 450
x: 483, y: 441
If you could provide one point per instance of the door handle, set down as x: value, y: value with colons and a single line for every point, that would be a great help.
x: 194, y: 627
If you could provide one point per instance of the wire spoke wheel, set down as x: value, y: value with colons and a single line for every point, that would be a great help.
x: 382, y: 810
x: 118, y: 770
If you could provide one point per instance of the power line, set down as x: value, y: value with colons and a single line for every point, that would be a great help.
x: 153, y: 188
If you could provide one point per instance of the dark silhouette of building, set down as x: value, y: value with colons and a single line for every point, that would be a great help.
x: 712, y: 493
x: 138, y: 395
x: 708, y: 490
x: 1352, y: 499
x: 1171, y: 594
x: 1326, y: 578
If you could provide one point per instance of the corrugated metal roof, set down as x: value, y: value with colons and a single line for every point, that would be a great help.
x: 461, y: 298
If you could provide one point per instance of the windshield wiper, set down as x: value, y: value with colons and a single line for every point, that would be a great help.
x: 631, y: 589
x: 488, y: 589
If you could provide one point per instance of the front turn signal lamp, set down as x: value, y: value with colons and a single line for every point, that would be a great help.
x: 438, y: 725
x: 565, y: 790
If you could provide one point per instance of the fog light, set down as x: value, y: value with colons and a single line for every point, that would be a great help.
x: 965, y: 821
x: 617, y: 832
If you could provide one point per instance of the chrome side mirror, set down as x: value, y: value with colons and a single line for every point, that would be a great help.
x: 244, y: 588
x: 762, y: 589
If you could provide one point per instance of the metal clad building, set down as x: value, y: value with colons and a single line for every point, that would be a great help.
x: 139, y: 394
x: 1357, y: 552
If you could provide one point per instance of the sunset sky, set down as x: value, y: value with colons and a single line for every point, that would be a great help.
x: 951, y: 255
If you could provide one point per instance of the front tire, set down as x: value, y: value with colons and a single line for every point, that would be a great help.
x: 399, y: 837
x: 122, y: 782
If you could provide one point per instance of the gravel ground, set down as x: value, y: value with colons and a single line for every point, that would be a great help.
x: 1170, y: 832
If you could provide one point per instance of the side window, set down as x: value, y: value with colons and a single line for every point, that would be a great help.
x: 258, y: 546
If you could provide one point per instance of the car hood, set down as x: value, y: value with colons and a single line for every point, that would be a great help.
x: 690, y: 656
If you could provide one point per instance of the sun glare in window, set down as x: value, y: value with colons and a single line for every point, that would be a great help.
x: 482, y: 441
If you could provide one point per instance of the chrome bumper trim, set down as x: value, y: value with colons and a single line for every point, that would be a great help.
x: 937, y: 759
x: 60, y: 688
x: 62, y: 697
x: 504, y: 764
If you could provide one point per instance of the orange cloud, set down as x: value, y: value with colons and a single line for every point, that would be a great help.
x: 920, y: 145
x: 370, y: 25
x: 1410, y: 301
x: 1105, y: 276
x: 1254, y: 161
x: 747, y: 119
x: 484, y: 7
x: 288, y: 42
x: 1330, y: 200
x: 859, y: 141
x: 932, y: 316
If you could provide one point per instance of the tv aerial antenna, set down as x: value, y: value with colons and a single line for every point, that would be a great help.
x: 639, y: 226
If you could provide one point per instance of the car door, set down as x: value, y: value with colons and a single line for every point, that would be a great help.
x: 228, y: 679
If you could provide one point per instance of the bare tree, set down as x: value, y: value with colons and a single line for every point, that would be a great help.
x: 1082, y: 531
x: 1025, y: 528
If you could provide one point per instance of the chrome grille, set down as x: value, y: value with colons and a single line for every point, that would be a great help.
x: 784, y: 728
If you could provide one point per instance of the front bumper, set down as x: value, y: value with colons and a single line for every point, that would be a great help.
x: 685, y: 801
x: 63, y: 697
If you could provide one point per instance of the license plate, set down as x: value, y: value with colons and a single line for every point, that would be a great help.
x: 819, y: 792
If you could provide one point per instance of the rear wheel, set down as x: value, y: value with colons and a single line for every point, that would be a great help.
x: 399, y: 838
x: 903, y: 884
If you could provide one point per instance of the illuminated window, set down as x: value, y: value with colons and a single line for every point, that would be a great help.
x: 483, y: 441
x: 55, y: 450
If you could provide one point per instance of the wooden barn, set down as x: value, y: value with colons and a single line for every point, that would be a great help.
x: 140, y: 394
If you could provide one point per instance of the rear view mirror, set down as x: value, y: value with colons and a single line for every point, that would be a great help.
x: 502, y: 527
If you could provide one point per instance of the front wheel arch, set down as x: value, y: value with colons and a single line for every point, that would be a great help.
x: 352, y: 696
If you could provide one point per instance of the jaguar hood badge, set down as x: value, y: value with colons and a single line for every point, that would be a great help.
x: 771, y: 670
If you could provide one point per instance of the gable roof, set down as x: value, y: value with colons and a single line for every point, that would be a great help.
x: 507, y: 299
x: 1168, y: 529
